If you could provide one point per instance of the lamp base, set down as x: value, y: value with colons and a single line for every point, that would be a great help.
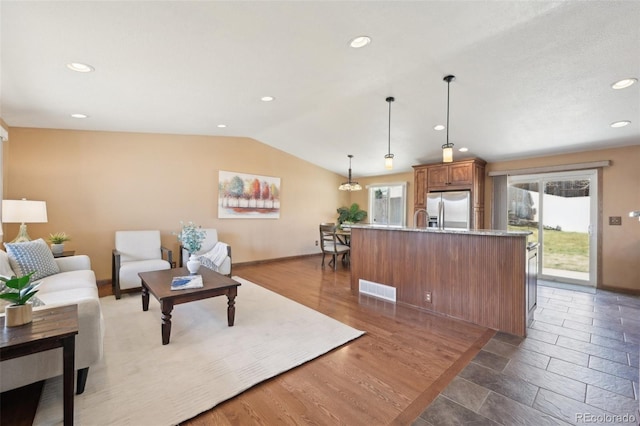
x: 22, y: 237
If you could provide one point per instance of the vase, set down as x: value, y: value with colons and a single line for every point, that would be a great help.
x: 16, y: 315
x: 193, y: 264
x: 57, y: 248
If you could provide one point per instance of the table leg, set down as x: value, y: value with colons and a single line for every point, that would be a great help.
x: 231, y: 309
x: 166, y: 308
x: 68, y: 356
x: 145, y: 298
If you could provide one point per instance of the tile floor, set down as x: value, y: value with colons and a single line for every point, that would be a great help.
x: 578, y: 365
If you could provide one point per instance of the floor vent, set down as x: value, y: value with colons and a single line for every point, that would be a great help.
x: 378, y: 290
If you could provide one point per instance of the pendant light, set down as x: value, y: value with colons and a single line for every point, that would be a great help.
x: 388, y: 159
x: 349, y: 185
x: 447, y: 148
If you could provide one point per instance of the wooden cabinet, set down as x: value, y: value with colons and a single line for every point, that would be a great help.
x: 464, y: 175
x: 450, y: 176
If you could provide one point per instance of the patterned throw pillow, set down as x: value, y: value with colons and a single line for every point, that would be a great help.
x: 32, y: 256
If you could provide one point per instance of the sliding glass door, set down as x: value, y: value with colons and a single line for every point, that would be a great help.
x: 561, y: 211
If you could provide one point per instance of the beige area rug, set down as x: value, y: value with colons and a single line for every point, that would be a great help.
x: 141, y: 382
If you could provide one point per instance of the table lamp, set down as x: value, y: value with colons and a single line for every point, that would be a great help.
x: 23, y: 211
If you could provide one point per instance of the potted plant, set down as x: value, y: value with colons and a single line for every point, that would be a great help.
x: 19, y: 312
x: 191, y: 237
x: 350, y: 215
x: 57, y: 242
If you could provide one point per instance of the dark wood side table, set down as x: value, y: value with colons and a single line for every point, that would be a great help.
x: 65, y: 253
x: 50, y: 329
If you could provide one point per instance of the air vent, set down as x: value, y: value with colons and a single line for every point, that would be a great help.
x: 378, y: 290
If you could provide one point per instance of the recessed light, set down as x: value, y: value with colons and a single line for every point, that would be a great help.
x: 267, y: 98
x: 80, y: 67
x: 438, y: 127
x: 463, y: 149
x: 222, y: 126
x: 79, y: 115
x: 360, y: 41
x: 624, y: 83
x: 620, y: 123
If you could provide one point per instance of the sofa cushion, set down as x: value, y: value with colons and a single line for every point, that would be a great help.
x: 5, y: 267
x: 129, y: 271
x: 32, y: 256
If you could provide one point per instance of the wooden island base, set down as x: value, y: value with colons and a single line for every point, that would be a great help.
x: 477, y: 276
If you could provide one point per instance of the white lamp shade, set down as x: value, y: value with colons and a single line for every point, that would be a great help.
x: 24, y: 211
x: 447, y: 155
x: 388, y: 162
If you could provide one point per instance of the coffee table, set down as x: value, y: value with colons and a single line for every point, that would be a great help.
x: 158, y: 283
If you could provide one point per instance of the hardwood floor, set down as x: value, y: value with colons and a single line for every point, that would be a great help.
x: 412, y: 367
x: 387, y: 376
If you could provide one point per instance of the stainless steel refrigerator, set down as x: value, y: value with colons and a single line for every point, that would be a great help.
x: 449, y: 210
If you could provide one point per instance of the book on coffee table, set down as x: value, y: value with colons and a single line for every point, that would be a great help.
x: 188, y: 281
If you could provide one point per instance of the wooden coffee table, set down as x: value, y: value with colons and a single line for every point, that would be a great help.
x: 158, y: 283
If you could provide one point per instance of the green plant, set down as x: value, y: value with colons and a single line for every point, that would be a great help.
x: 351, y: 214
x: 191, y: 237
x: 23, y: 289
x: 59, y: 238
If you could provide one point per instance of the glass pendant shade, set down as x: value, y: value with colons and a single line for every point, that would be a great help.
x: 388, y: 161
x: 447, y: 153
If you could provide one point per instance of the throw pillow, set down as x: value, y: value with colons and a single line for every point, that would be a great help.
x: 32, y: 256
x: 5, y: 267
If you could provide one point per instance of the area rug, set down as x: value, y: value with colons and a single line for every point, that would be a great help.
x: 141, y: 382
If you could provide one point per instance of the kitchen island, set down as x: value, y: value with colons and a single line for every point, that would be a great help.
x: 474, y: 275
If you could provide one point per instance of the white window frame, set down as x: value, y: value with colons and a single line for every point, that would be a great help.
x: 371, y: 197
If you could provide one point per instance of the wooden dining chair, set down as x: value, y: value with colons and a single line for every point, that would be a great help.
x: 329, y: 244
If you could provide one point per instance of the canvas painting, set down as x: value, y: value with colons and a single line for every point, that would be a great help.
x: 245, y: 196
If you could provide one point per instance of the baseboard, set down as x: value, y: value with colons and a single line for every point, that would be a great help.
x: 258, y: 262
x: 631, y: 291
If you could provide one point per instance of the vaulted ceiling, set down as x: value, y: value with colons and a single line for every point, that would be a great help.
x: 532, y: 78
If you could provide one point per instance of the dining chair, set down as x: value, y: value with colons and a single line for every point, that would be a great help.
x: 329, y: 244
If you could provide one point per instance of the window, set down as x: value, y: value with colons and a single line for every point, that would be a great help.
x: 387, y: 204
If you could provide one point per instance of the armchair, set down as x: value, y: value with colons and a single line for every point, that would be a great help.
x: 136, y: 251
x: 209, y: 246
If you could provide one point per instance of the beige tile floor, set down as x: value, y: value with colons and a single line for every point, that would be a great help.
x: 578, y: 365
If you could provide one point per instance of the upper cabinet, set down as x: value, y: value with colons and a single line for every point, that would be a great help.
x: 464, y: 175
x: 451, y: 176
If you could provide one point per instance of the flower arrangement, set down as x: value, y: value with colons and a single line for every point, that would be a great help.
x: 59, y: 238
x: 23, y: 290
x: 191, y: 237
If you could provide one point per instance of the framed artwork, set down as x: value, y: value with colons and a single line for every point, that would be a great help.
x: 245, y: 196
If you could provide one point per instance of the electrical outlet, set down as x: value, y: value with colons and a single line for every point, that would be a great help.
x: 316, y: 242
x: 427, y: 296
x: 615, y: 220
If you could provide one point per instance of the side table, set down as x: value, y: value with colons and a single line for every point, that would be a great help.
x: 65, y: 253
x: 50, y: 329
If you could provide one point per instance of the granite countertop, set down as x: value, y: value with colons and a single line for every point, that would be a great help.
x: 488, y: 232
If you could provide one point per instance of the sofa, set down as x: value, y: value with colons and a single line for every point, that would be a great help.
x: 74, y: 283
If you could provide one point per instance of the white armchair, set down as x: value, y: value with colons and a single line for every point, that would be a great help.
x: 210, y: 243
x: 136, y: 251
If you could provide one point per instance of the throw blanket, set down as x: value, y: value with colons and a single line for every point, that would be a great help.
x: 213, y: 258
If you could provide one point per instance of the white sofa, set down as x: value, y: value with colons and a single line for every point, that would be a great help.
x: 210, y: 243
x: 74, y: 284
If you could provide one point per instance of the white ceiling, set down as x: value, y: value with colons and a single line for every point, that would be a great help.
x: 532, y: 77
